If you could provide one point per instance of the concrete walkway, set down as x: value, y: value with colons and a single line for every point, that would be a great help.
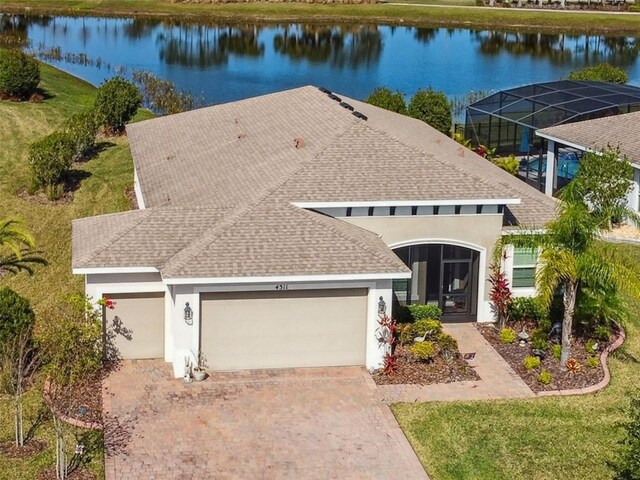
x: 497, y: 378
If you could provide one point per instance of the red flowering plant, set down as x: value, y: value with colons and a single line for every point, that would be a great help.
x: 386, y: 334
x: 500, y: 295
x: 485, y: 151
x: 106, y: 302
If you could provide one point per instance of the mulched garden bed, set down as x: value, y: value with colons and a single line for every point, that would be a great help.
x: 30, y: 448
x: 515, y: 354
x: 77, y: 474
x: 83, y: 402
x: 413, y: 371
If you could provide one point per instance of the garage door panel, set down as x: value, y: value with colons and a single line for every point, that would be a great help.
x: 137, y: 323
x: 300, y: 328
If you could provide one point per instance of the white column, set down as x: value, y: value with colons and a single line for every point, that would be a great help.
x: 551, y: 168
x: 375, y: 353
x: 634, y: 194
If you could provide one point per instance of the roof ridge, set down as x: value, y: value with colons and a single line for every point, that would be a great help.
x: 314, y: 217
x: 236, y: 216
x: 144, y: 214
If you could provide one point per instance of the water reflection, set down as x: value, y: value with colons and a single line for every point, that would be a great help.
x: 338, y: 46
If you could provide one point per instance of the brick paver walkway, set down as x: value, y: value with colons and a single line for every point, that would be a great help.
x: 283, y: 424
x: 497, y: 378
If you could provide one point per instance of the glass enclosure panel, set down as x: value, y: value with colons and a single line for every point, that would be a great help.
x: 456, y: 304
x: 455, y: 278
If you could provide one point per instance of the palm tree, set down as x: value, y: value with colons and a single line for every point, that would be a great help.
x: 17, y: 248
x: 572, y: 255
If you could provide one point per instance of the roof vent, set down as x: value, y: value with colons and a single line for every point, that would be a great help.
x: 334, y: 97
x: 359, y: 115
x: 324, y: 90
x: 298, y: 142
x: 346, y: 105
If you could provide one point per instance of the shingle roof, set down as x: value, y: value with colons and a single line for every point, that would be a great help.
x: 218, y: 185
x: 615, y: 131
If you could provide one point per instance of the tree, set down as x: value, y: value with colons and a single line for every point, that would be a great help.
x: 602, y: 72
x: 383, y: 97
x: 572, y: 255
x: 117, y: 101
x: 20, y: 360
x: 433, y: 108
x: 17, y: 248
x: 606, y: 180
x: 19, y: 74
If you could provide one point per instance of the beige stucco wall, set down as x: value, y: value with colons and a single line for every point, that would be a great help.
x: 481, y: 231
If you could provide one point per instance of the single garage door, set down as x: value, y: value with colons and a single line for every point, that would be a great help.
x: 137, y: 323
x: 293, y: 328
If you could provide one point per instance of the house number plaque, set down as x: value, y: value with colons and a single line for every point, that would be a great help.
x: 282, y: 286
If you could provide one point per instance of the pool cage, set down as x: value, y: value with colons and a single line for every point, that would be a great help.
x: 507, y: 120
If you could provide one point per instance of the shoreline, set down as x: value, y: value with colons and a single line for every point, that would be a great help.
x: 522, y: 20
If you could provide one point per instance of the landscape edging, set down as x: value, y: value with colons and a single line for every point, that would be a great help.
x: 65, y: 418
x: 602, y: 383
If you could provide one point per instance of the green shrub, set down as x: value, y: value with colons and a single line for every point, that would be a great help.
x: 117, y: 101
x: 404, y: 332
x: 19, y: 74
x: 418, y: 312
x: 50, y: 160
x: 545, y: 325
x: 627, y: 462
x: 433, y: 327
x: 432, y: 107
x: 539, y: 340
x: 383, y: 97
x: 526, y: 308
x: 82, y: 129
x: 508, y: 164
x: 447, y: 342
x: 544, y: 377
x: 593, y: 362
x: 557, y: 351
x: 531, y: 362
x: 16, y: 315
x: 590, y: 347
x: 424, y: 350
x: 508, y: 335
x: 603, y: 72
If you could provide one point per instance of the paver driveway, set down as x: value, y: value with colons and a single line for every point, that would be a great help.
x: 298, y: 424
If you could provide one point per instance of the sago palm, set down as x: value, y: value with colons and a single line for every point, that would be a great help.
x: 17, y: 248
x: 572, y: 254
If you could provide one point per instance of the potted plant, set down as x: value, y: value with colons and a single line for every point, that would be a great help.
x: 199, y: 371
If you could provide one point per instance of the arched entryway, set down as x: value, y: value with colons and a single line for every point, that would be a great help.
x: 442, y: 274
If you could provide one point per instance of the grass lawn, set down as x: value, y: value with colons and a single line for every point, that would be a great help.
x: 423, y: 15
x: 548, y: 438
x: 102, y: 191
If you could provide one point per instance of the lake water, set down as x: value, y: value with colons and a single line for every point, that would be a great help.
x: 229, y: 62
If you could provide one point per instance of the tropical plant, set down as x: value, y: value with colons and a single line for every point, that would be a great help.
x: 602, y: 72
x: 556, y: 351
x: 117, y: 101
x: 432, y: 107
x: 19, y: 74
x: 509, y: 164
x: 544, y: 377
x: 593, y: 362
x: 17, y: 248
x: 531, y: 363
x: 383, y: 97
x: 465, y: 142
x: 526, y: 308
x: 572, y: 255
x: 386, y: 333
x: 500, y: 294
x: 573, y: 365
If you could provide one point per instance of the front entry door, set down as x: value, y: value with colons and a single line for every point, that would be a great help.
x: 456, y: 286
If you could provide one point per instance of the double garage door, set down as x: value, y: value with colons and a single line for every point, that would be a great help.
x: 281, y: 329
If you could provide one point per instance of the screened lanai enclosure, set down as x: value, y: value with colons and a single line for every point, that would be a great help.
x: 508, y: 120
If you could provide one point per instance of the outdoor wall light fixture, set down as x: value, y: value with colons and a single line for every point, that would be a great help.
x: 382, y: 306
x: 188, y: 314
